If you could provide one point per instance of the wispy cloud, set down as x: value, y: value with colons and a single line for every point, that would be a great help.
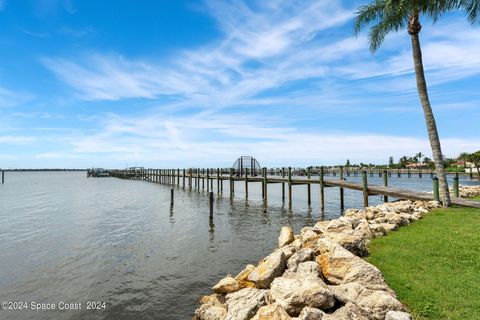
x: 9, y: 98
x: 17, y: 139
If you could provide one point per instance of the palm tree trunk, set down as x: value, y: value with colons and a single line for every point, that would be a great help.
x: 430, y: 120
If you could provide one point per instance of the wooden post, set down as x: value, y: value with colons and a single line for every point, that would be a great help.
x: 232, y: 192
x: 203, y: 179
x: 309, y: 196
x: 171, y: 197
x: 246, y: 183
x: 436, y: 191
x: 456, y: 191
x: 283, y: 185
x: 178, y: 177
x: 471, y: 174
x: 385, y: 184
x: 290, y: 186
x: 221, y: 184
x: 365, y: 189
x: 190, y: 179
x: 409, y: 174
x: 183, y: 179
x: 322, y: 190
x: 399, y: 175
x: 431, y: 174
x: 211, y: 204
x: 173, y: 176
x: 218, y: 180
x: 208, y: 180
x: 198, y: 179
x: 265, y: 185
x: 342, y: 197
x: 3, y: 176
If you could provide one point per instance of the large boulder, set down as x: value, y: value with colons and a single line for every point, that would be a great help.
x: 268, y: 269
x: 340, y: 266
x: 212, y: 308
x: 355, y: 243
x: 309, y: 269
x: 294, y: 292
x: 374, y: 303
x: 398, y: 315
x: 210, y: 312
x: 242, y: 277
x: 227, y: 285
x: 244, y: 304
x: 286, y: 236
x: 301, y: 255
x: 347, y: 312
x: 309, y: 313
x: 272, y: 312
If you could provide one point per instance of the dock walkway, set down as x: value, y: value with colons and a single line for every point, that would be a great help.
x: 201, y: 179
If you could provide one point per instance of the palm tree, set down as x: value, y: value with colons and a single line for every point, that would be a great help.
x: 419, y: 157
x: 394, y: 15
x: 463, y: 157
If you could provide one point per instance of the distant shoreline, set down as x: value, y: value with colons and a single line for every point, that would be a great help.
x: 36, y: 170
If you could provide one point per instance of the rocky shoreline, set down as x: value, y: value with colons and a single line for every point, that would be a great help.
x: 320, y: 274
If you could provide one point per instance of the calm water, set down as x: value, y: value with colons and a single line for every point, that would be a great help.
x: 66, y: 238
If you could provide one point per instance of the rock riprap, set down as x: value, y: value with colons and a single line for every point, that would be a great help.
x: 318, y: 274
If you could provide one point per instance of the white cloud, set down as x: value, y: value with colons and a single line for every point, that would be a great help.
x: 9, y: 139
x: 10, y: 98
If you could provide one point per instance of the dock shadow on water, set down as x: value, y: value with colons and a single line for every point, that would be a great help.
x: 66, y: 238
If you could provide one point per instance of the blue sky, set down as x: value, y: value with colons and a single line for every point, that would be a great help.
x: 199, y: 83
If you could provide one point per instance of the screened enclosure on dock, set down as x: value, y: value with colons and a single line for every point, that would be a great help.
x: 246, y: 164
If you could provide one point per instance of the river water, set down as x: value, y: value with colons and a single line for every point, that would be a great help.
x: 68, y: 239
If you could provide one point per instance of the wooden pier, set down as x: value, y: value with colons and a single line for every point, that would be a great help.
x: 203, y: 180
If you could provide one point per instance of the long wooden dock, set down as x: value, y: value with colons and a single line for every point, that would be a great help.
x: 203, y: 179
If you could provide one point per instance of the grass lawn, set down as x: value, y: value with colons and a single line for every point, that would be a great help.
x: 475, y: 198
x: 434, y: 264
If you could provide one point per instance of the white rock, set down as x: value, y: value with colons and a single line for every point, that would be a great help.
x: 294, y: 292
x: 285, y: 237
x: 268, y: 269
x: 210, y: 312
x: 354, y: 243
x: 374, y: 303
x: 398, y: 315
x: 347, y: 312
x: 244, y: 304
x: 272, y: 312
x: 226, y: 285
x: 301, y: 255
x: 309, y: 268
x: 339, y: 265
x: 309, y: 313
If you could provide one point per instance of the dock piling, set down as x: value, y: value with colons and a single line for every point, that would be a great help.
x: 211, y: 203
x: 342, y: 198
x: 365, y: 189
x: 456, y: 191
x: 436, y: 191
x: 171, y: 197
x: 385, y: 184
x: 322, y: 189
x: 309, y: 196
x: 290, y: 186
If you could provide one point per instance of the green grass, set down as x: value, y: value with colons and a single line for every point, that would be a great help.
x: 475, y: 198
x: 434, y: 264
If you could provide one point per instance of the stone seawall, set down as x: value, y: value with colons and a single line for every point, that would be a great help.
x: 318, y: 274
